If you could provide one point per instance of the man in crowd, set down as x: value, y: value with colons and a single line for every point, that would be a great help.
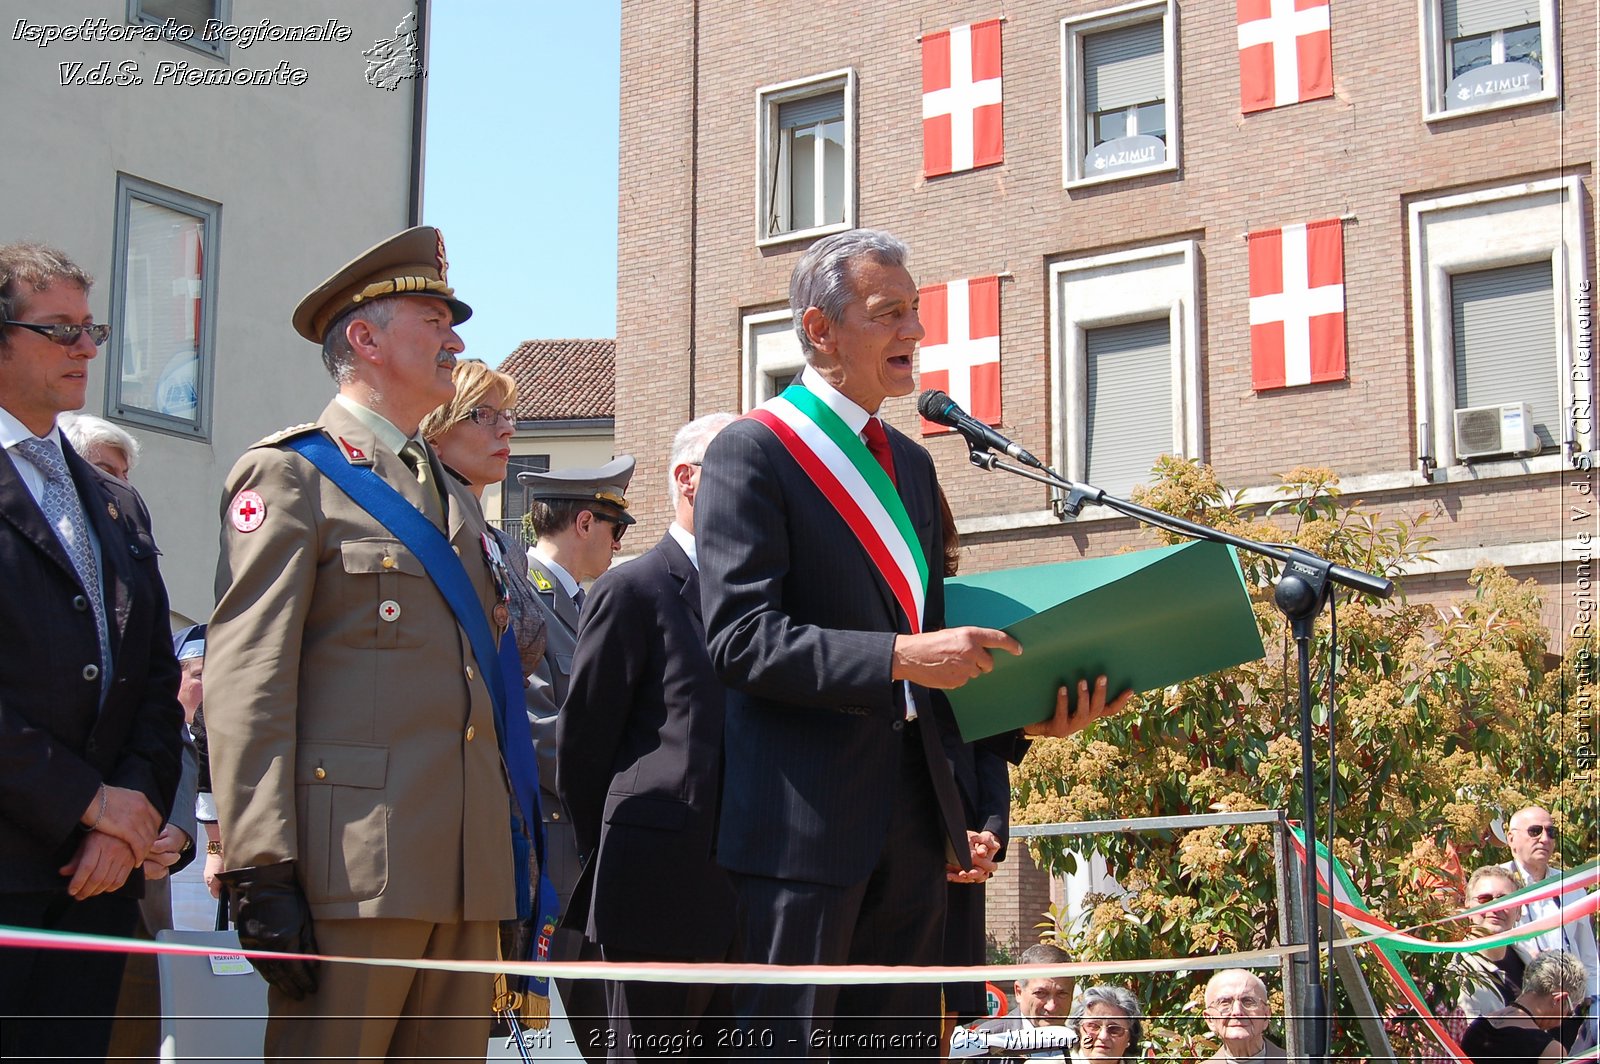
x: 1532, y: 838
x: 579, y: 517
x: 354, y: 759
x: 89, y: 717
x: 1237, y: 1011
x: 639, y: 760
x: 1042, y: 1001
x: 826, y: 619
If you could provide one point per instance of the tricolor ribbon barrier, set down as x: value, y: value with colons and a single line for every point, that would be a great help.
x: 778, y: 974
x: 1336, y: 890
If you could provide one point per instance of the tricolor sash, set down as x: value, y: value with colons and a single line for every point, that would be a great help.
x: 853, y: 482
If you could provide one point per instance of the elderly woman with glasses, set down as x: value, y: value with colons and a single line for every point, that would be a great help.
x: 1107, y: 1022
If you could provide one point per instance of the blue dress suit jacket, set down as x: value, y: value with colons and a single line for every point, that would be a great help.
x: 801, y: 627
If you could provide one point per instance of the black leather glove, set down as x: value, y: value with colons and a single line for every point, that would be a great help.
x: 271, y: 913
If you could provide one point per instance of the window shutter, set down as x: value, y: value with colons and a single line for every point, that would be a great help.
x: 1469, y: 18
x: 1122, y: 67
x: 1128, y: 423
x: 810, y: 110
x: 1505, y: 342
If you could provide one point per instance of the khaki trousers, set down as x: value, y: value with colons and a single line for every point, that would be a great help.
x: 362, y: 1012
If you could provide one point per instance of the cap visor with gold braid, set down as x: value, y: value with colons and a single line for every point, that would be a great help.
x: 410, y: 263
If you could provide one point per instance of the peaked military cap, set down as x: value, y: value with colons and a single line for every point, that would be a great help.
x: 409, y: 263
x: 608, y: 484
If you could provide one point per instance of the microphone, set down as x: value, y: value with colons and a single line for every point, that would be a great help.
x: 942, y: 410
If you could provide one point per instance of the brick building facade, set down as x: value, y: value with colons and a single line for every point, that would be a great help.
x: 1448, y: 204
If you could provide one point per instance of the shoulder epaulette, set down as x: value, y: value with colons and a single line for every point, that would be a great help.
x: 285, y: 434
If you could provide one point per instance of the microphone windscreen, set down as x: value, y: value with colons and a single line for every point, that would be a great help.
x: 935, y: 406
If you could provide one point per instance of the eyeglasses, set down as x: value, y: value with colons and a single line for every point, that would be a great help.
x: 1247, y: 1002
x: 66, y: 335
x: 1094, y: 1028
x: 1533, y: 831
x: 619, y: 527
x: 488, y: 416
x: 1485, y: 899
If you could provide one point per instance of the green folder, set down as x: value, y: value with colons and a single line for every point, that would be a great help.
x: 1146, y: 620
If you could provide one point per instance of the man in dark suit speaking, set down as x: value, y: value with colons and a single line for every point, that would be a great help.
x: 826, y: 618
x: 89, y: 716
x: 639, y: 760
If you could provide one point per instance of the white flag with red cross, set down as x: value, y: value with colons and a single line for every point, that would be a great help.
x: 1297, y: 305
x: 961, y: 351
x: 961, y: 122
x: 1285, y: 53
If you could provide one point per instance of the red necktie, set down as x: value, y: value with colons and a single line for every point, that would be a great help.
x: 878, y: 445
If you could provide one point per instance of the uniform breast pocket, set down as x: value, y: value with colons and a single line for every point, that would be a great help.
x: 344, y: 819
x: 383, y: 588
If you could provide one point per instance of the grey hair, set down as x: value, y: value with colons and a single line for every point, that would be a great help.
x: 821, y: 277
x: 337, y: 354
x: 690, y: 444
x: 1119, y: 998
x: 85, y: 431
x: 1556, y: 971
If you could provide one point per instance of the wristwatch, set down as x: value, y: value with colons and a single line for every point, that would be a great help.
x: 214, y: 848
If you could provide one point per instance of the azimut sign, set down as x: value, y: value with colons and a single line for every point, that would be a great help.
x: 1494, y: 83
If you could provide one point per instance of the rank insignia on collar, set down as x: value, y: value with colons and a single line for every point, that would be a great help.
x: 355, y: 453
x: 541, y: 581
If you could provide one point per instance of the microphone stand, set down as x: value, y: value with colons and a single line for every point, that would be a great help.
x: 1303, y: 589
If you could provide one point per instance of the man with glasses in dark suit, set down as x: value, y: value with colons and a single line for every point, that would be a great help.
x: 89, y: 716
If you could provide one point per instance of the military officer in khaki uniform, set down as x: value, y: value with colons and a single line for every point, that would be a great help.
x: 363, y: 804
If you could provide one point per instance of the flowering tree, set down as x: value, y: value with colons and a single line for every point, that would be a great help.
x: 1447, y: 718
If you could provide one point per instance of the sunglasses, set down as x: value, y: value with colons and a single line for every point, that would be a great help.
x: 1533, y: 831
x: 65, y: 335
x: 1485, y: 899
x: 619, y: 527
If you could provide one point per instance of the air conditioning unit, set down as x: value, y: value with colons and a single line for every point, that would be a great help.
x: 1487, y: 431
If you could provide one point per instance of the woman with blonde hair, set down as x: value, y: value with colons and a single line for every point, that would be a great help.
x: 472, y: 435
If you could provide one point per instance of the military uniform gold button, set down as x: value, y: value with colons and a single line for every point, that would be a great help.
x: 471, y: 731
x: 469, y: 672
x: 321, y: 773
x: 388, y: 562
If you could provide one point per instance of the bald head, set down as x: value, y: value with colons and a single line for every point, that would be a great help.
x: 1532, y: 835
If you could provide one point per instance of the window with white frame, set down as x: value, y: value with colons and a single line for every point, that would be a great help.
x: 1119, y: 74
x: 188, y: 22
x: 772, y: 356
x: 806, y: 152
x: 1497, y: 277
x: 1482, y: 54
x: 1125, y: 362
x: 163, y: 308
